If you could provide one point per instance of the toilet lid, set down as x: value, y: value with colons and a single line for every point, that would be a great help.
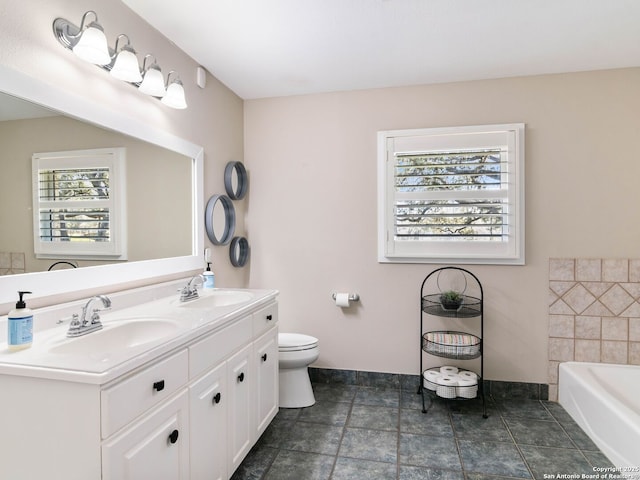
x: 296, y: 341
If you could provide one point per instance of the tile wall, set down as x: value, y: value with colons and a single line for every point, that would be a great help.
x: 594, y: 313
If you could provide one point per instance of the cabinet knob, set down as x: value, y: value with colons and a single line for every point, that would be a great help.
x: 158, y: 386
x: 264, y: 357
x: 173, y: 437
x: 241, y: 377
x: 216, y: 398
x: 269, y: 317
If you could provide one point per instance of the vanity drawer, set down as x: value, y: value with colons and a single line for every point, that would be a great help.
x: 264, y: 319
x: 126, y: 400
x: 211, y: 350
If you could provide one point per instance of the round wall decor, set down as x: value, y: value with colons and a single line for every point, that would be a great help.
x: 239, y: 251
x: 236, y: 182
x: 220, y: 219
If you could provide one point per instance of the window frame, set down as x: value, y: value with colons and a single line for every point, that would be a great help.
x: 508, y: 137
x: 112, y: 158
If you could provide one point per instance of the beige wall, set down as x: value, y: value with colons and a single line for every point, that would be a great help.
x: 214, y: 117
x: 312, y: 165
x: 312, y: 218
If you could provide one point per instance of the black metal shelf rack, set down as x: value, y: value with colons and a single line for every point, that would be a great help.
x: 453, y: 344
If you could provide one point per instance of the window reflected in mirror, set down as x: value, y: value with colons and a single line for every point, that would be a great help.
x: 158, y: 188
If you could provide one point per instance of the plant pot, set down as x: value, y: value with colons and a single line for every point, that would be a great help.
x: 451, y: 305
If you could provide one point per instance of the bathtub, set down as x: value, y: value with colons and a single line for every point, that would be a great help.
x: 604, y: 399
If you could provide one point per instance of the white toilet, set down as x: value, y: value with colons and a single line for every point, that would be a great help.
x: 296, y: 353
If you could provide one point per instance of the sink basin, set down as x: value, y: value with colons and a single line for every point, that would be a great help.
x: 115, y: 336
x: 218, y: 298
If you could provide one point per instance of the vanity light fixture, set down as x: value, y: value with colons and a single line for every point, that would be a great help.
x: 90, y: 44
x: 174, y: 97
x: 125, y: 66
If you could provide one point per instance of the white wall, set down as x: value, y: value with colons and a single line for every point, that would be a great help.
x: 312, y: 216
x: 214, y: 117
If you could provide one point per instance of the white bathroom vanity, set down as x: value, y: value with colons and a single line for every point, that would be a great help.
x: 165, y: 390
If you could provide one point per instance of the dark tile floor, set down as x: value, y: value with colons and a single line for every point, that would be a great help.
x: 355, y: 433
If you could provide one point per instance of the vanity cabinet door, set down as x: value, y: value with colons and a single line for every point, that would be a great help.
x: 266, y: 392
x: 208, y: 400
x: 240, y: 412
x: 155, y: 447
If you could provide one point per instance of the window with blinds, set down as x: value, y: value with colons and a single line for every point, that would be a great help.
x: 452, y: 194
x: 69, y: 186
x: 79, y: 204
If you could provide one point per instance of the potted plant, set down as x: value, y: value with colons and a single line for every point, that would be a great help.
x: 451, y: 300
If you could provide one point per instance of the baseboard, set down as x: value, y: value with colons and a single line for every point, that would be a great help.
x: 495, y: 388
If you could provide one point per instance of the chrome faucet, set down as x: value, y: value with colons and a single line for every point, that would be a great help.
x: 190, y: 290
x: 83, y: 324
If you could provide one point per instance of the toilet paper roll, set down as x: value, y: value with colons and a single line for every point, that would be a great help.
x: 469, y: 375
x: 448, y: 369
x: 342, y: 300
x: 432, y: 375
x: 447, y: 379
x: 431, y: 379
x: 467, y: 388
x: 447, y: 385
x: 466, y: 382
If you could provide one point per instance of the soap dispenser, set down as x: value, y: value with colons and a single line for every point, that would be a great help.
x: 209, y: 277
x: 20, y: 324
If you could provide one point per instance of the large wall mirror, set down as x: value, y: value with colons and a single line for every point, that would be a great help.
x: 165, y: 232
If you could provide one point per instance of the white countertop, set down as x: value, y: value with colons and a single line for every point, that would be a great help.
x: 100, y: 366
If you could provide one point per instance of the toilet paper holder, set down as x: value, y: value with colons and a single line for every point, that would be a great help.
x: 353, y: 297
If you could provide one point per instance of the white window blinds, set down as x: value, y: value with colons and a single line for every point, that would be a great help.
x: 79, y: 204
x: 452, y: 195
x: 74, y: 204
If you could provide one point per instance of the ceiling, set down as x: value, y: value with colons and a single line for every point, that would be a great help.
x: 269, y: 48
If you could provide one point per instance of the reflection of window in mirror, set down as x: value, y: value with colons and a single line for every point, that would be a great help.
x: 78, y: 204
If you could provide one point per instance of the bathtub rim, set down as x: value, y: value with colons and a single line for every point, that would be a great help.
x: 616, y: 408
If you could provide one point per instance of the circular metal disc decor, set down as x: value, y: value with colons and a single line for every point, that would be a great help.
x: 220, y: 219
x: 239, y: 251
x: 236, y: 181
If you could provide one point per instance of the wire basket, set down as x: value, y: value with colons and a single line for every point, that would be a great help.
x: 470, y: 307
x: 451, y: 344
x: 463, y: 385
